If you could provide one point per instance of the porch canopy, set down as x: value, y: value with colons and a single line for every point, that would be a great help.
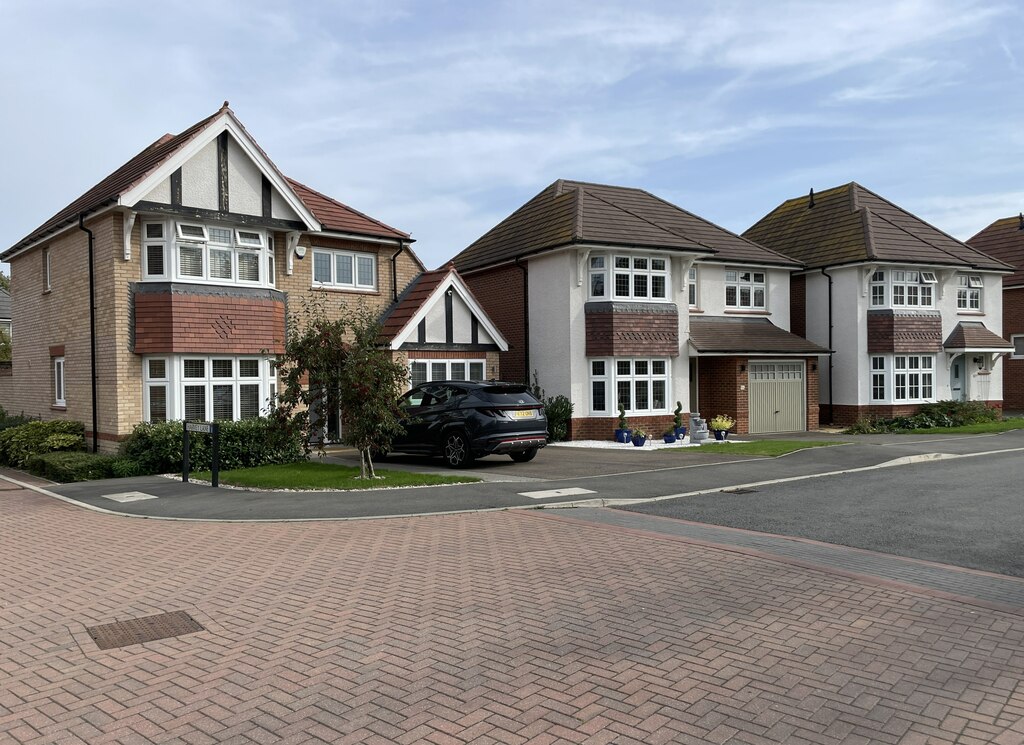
x: 716, y: 336
x: 972, y: 336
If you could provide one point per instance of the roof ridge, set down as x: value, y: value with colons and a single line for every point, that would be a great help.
x: 650, y: 222
x: 917, y: 237
x: 869, y: 234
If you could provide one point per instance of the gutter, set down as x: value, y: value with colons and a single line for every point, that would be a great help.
x: 92, y: 334
x: 831, y: 416
x: 394, y: 273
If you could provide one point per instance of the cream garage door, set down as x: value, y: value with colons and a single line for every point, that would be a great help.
x: 777, y: 397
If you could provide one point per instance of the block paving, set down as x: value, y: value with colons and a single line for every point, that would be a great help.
x: 475, y: 628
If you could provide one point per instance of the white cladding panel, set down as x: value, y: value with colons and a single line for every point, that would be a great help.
x: 279, y: 209
x: 554, y: 331
x: 199, y: 179
x: 161, y: 193
x: 245, y: 182
x: 462, y: 319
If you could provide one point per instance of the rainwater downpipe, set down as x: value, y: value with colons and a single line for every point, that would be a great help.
x: 92, y: 334
x: 526, y: 321
x: 831, y: 413
x: 394, y: 272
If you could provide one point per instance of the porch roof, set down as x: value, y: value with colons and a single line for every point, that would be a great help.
x: 973, y: 336
x: 738, y: 335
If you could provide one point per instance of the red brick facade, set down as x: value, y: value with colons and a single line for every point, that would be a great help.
x: 896, y: 332
x: 501, y: 292
x: 603, y: 428
x: 614, y: 333
x: 1013, y: 370
x: 798, y: 304
x: 193, y: 322
x: 845, y: 415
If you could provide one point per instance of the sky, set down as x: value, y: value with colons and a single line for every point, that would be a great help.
x: 441, y: 118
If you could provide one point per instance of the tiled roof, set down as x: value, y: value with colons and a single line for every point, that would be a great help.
x: 118, y: 182
x: 575, y: 212
x: 410, y: 301
x: 974, y: 335
x: 1004, y: 240
x: 334, y: 215
x: 850, y: 224
x: 720, y: 335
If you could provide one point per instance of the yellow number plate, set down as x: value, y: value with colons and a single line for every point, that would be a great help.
x: 524, y: 414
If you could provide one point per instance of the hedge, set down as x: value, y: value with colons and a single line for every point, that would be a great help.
x: 65, y: 467
x: 18, y: 444
x: 156, y: 448
x: 939, y: 414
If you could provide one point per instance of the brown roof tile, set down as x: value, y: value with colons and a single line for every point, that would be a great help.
x: 410, y: 301
x: 740, y: 335
x: 334, y: 215
x: 849, y: 224
x: 577, y: 212
x: 974, y: 335
x: 1004, y: 240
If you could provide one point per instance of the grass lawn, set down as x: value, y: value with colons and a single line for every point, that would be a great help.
x: 312, y: 475
x: 1003, y: 425
x: 769, y: 448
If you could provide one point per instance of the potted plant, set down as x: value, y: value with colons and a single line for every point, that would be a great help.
x: 622, y: 434
x: 639, y: 437
x: 669, y: 435
x: 677, y: 421
x: 721, y: 425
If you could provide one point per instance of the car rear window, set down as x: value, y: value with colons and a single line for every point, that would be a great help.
x: 508, y: 395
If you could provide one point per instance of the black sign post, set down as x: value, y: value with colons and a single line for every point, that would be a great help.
x: 206, y: 428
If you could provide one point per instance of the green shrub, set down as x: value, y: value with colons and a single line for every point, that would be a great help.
x: 559, y: 413
x: 7, y: 420
x: 125, y: 468
x: 939, y: 414
x: 156, y: 448
x: 66, y: 467
x: 18, y: 444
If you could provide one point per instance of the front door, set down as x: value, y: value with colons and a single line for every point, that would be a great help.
x: 956, y: 379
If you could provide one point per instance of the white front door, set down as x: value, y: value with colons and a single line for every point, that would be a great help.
x: 957, y: 386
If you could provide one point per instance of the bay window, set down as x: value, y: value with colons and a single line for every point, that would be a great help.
x: 903, y: 378
x: 912, y: 289
x: 745, y: 290
x: 639, y: 385
x: 210, y: 253
x: 632, y: 277
x: 207, y: 388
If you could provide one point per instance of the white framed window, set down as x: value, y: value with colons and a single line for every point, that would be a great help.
x: 629, y: 277
x: 878, y: 378
x: 640, y: 385
x: 154, y: 251
x: 249, y: 238
x: 691, y: 287
x: 426, y: 371
x: 208, y: 387
x: 344, y: 269
x: 909, y: 290
x: 59, y: 396
x: 192, y: 232
x: 913, y: 378
x: 968, y: 292
x: 745, y: 290
x: 878, y: 288
x: 1017, y: 340
x: 46, y: 270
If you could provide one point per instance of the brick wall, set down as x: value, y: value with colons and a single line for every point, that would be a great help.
x: 890, y: 331
x: 500, y: 292
x: 798, y: 304
x: 845, y: 415
x: 813, y: 392
x: 613, y: 331
x: 718, y: 389
x: 1013, y: 370
x: 603, y: 428
x: 195, y: 321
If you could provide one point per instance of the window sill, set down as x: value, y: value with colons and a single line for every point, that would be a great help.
x: 353, y: 290
x: 970, y: 312
x: 47, y: 292
x: 58, y: 407
x: 696, y: 310
x: 742, y: 312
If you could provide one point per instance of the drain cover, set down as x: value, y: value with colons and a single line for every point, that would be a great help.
x: 141, y: 630
x: 739, y: 491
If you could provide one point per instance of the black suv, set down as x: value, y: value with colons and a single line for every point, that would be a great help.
x: 462, y: 420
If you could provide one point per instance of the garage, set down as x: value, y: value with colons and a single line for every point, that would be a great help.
x: 777, y: 397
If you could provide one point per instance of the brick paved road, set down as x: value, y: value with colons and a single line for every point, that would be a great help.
x: 485, y: 628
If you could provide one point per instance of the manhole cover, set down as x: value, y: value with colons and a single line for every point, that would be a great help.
x: 141, y: 630
x: 740, y: 491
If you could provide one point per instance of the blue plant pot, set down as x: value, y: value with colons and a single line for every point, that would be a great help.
x: 638, y: 442
x: 680, y: 432
x: 623, y: 435
x: 669, y: 439
x: 721, y: 434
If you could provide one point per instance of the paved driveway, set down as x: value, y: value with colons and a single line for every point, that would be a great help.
x: 483, y: 628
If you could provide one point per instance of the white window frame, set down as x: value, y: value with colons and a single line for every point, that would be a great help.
x: 60, y: 395
x: 355, y: 285
x: 878, y: 378
x: 47, y: 277
x: 466, y: 364
x: 879, y: 284
x: 260, y: 239
x: 692, y: 288
x: 612, y: 377
x: 1015, y: 340
x: 175, y: 381
x: 160, y: 243
x: 172, y: 243
x: 903, y: 281
x: 909, y: 366
x: 600, y: 375
x: 608, y: 270
x: 969, y: 293
x: 178, y: 231
x: 734, y: 280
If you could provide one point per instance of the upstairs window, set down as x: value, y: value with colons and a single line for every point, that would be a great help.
x: 211, y: 253
x: 629, y: 277
x: 691, y: 287
x: 597, y: 276
x: 344, y: 269
x: 46, y: 269
x: 968, y: 292
x: 878, y: 289
x: 745, y: 290
x: 912, y: 289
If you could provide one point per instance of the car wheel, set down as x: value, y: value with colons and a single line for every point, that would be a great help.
x: 457, y: 453
x: 524, y: 456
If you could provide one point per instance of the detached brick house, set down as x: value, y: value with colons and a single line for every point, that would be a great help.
x: 1004, y: 240
x: 613, y: 295
x: 200, y: 248
x: 913, y: 314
